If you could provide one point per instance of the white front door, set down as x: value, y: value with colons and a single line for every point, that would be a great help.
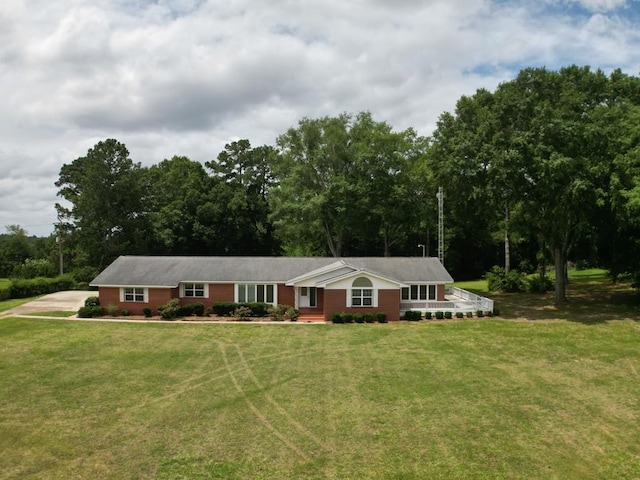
x: 307, y: 297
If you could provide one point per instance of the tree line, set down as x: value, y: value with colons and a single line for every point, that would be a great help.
x: 543, y: 170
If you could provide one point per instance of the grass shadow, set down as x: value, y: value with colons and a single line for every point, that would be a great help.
x: 588, y: 301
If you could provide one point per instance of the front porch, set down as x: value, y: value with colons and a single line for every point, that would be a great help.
x: 456, y: 300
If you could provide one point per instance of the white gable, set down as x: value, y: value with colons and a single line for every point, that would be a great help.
x: 346, y: 282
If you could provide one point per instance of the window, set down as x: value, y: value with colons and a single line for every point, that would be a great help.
x: 133, y: 294
x: 362, y: 293
x: 419, y: 292
x: 194, y: 290
x: 432, y: 292
x: 252, y: 292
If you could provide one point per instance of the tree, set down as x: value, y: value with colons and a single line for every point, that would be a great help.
x: 14, y: 250
x: 176, y: 190
x: 547, y: 116
x: 541, y: 148
x: 346, y: 185
x: 242, y: 181
x: 107, y: 195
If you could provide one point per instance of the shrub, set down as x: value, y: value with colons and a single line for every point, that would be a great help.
x: 495, y: 279
x: 538, y: 284
x: 459, y: 315
x: 498, y: 280
x: 33, y: 268
x: 469, y: 314
x: 336, y: 318
x: 112, y: 310
x: 23, y: 288
x: 428, y: 315
x: 439, y: 315
x: 258, y: 309
x: 92, y: 302
x: 208, y: 311
x: 293, y: 314
x: 368, y: 317
x: 479, y: 313
x: 514, y: 282
x: 496, y: 312
x: 358, y: 318
x: 347, y: 317
x: 124, y: 312
x: 447, y: 315
x: 170, y: 310
x: 90, y: 311
x: 278, y: 312
x: 5, y: 293
x: 224, y: 309
x: 195, y: 308
x: 243, y: 313
x: 381, y: 317
x: 147, y: 312
x: 412, y: 315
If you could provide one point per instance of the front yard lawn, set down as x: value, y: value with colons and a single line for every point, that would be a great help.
x: 460, y: 399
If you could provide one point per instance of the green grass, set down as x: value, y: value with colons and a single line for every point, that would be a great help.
x: 457, y: 399
x: 14, y: 302
x: 55, y: 313
x: 546, y: 392
x: 4, y: 282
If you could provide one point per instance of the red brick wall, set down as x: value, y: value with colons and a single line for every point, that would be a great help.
x: 388, y: 302
x: 286, y: 295
x: 440, y: 293
x: 109, y: 296
x: 220, y: 293
x: 157, y: 296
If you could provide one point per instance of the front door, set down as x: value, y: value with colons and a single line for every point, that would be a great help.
x: 307, y: 297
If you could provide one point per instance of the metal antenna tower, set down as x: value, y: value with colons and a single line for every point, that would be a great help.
x: 440, y: 197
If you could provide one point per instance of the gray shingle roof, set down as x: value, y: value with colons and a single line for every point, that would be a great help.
x: 170, y: 271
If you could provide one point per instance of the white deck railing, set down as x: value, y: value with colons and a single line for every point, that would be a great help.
x: 458, y: 300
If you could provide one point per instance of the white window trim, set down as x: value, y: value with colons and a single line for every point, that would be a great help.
x: 417, y: 286
x: 182, y: 289
x: 236, y: 292
x: 374, y: 298
x: 145, y: 294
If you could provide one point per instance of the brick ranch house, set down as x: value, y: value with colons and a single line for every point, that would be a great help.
x: 316, y: 286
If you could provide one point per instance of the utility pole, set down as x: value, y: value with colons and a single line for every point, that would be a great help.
x: 60, y: 241
x: 440, y: 197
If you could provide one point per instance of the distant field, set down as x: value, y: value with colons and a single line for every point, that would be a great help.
x: 476, y: 399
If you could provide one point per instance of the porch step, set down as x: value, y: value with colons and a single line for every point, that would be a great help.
x: 311, y: 318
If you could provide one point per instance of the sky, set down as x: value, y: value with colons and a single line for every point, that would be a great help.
x: 186, y: 77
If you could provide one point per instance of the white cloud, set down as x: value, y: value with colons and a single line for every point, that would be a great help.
x: 185, y: 77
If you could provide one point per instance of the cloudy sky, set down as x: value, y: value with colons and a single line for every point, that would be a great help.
x: 185, y: 77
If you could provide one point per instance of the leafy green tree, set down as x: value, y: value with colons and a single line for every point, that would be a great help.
x: 175, y: 191
x: 347, y: 184
x: 107, y: 197
x: 238, y: 200
x: 14, y: 250
x: 535, y: 158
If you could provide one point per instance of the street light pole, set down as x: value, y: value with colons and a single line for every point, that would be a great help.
x: 423, y: 250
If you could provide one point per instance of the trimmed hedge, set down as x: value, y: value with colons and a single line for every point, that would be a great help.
x: 90, y: 311
x: 5, y: 293
x: 24, y: 288
x: 226, y: 309
x: 188, y: 309
x: 413, y: 315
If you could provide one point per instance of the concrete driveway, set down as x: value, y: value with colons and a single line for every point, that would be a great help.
x: 70, y: 301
